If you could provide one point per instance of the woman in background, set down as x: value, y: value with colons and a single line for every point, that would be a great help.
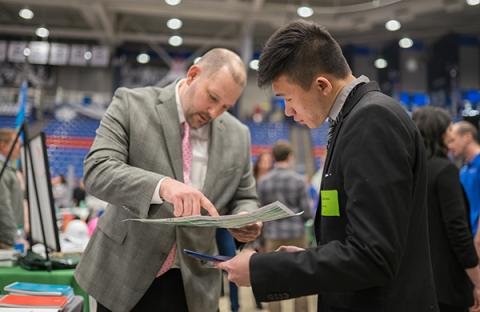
x: 454, y: 260
x: 263, y: 165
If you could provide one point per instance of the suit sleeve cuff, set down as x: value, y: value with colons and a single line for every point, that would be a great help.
x: 156, y: 194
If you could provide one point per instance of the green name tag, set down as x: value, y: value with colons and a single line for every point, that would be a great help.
x: 330, y: 206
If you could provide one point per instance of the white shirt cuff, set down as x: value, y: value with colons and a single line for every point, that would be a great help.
x: 156, y: 195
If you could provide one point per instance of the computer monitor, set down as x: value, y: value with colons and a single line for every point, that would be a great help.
x: 41, y: 211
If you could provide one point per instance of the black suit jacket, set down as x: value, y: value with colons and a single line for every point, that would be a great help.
x: 374, y: 256
x: 450, y: 237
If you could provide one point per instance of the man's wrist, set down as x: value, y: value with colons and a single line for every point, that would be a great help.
x: 157, y: 198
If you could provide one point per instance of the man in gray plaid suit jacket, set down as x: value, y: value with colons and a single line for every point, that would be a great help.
x: 11, y: 195
x: 136, y: 165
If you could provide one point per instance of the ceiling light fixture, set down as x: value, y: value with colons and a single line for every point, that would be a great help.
x: 143, y: 58
x: 26, y: 13
x: 42, y: 32
x: 381, y: 63
x: 393, y: 25
x: 87, y: 55
x: 26, y: 52
x: 174, y: 23
x: 405, y: 43
x: 175, y: 41
x: 305, y: 11
x: 173, y: 2
x: 473, y: 2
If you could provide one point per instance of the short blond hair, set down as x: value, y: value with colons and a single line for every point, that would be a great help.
x: 217, y: 58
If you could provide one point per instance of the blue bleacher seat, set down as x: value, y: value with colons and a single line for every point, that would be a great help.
x: 268, y: 133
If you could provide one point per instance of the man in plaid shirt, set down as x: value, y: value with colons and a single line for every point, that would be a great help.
x: 287, y: 186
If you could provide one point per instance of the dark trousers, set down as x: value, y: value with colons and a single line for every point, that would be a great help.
x: 226, y: 247
x: 165, y: 294
x: 322, y: 307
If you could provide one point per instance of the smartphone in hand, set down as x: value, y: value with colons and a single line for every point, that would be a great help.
x: 205, y: 257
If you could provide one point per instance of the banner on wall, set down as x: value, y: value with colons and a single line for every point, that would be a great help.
x: 16, y: 51
x: 59, y: 53
x: 100, y: 56
x: 3, y: 51
x: 38, y: 52
x: 77, y: 55
x: 45, y: 53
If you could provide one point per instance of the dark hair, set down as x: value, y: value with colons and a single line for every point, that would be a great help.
x: 433, y: 123
x: 256, y: 165
x: 281, y: 150
x: 62, y: 179
x: 301, y: 50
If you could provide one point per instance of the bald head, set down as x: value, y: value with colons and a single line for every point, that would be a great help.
x: 464, y: 127
x: 218, y: 58
x: 461, y: 140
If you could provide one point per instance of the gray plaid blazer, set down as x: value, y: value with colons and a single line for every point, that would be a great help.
x: 139, y: 142
x: 11, y: 205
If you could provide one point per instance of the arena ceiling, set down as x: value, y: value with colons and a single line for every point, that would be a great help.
x: 232, y: 23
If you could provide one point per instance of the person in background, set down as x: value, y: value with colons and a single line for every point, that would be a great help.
x: 79, y: 194
x: 60, y: 192
x: 163, y: 153
x: 282, y: 183
x: 371, y: 227
x: 463, y: 143
x: 11, y: 195
x: 262, y: 165
x: 454, y: 260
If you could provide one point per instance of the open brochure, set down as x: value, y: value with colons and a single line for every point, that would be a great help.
x: 270, y: 212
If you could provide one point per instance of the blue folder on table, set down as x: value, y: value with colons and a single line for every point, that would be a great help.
x: 40, y: 289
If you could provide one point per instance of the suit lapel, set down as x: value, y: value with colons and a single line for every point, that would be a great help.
x: 347, y: 108
x: 168, y: 116
x: 214, y: 154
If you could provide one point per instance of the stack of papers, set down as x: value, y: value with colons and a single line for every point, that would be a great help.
x: 270, y: 212
x: 35, y: 289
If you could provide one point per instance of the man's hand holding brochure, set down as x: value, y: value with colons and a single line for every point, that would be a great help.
x: 270, y: 212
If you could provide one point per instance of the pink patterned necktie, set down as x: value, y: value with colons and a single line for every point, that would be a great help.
x: 187, y: 162
x: 186, y: 152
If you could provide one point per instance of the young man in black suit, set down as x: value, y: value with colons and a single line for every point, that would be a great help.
x: 371, y: 222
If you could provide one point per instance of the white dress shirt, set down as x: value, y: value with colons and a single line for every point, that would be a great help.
x: 199, y: 139
x: 342, y: 96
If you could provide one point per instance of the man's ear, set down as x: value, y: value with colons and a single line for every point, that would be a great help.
x: 323, y: 85
x: 469, y: 137
x: 193, y: 73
